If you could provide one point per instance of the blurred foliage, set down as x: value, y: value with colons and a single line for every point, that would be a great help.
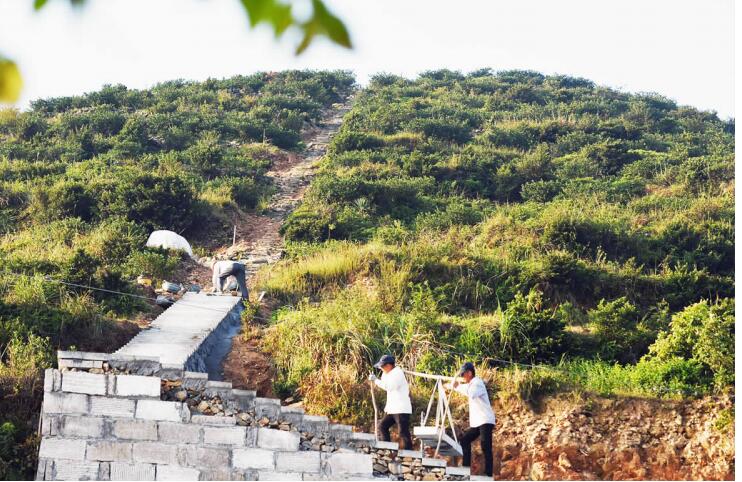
x: 275, y: 13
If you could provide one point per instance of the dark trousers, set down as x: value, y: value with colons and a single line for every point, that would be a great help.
x: 403, y: 424
x: 484, y: 432
x: 238, y: 271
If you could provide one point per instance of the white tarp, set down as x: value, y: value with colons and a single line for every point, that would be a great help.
x: 169, y: 240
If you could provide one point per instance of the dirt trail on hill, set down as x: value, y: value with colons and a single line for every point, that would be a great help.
x: 259, y: 242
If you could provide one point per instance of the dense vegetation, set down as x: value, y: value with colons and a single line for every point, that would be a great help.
x: 84, y: 179
x: 518, y: 217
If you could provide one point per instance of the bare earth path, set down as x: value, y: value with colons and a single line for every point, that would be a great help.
x: 259, y: 242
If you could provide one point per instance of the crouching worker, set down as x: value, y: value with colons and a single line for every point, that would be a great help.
x: 481, y: 416
x: 398, y: 406
x: 224, y: 269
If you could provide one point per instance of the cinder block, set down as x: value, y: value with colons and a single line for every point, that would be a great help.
x: 363, y: 437
x: 75, y: 470
x: 112, y: 407
x: 195, y: 380
x: 253, y: 459
x: 85, y: 364
x: 58, y: 402
x: 158, y: 410
x: 156, y: 453
x: 137, y: 386
x: 265, y: 475
x: 431, y: 462
x: 135, y: 429
x: 305, y: 461
x: 107, y: 451
x: 314, y: 423
x: 458, y: 471
x: 83, y: 382
x: 194, y: 456
x: 267, y: 407
x: 226, y: 474
x: 213, y: 420
x: 278, y: 440
x: 381, y: 444
x: 225, y: 436
x: 50, y: 425
x: 121, y: 471
x: 62, y: 448
x: 170, y: 472
x: 172, y: 432
x: 41, y: 469
x: 52, y: 380
x: 340, y: 464
x: 85, y: 427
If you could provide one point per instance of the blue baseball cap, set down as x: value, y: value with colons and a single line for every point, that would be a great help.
x: 384, y: 360
x: 467, y: 367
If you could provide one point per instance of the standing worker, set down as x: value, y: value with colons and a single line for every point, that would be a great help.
x: 223, y: 270
x: 481, y: 416
x: 398, y: 406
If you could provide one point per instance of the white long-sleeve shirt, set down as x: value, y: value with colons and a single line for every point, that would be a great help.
x: 220, y: 269
x: 397, y: 391
x: 480, y: 409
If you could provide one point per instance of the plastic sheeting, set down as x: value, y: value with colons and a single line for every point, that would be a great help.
x: 169, y: 240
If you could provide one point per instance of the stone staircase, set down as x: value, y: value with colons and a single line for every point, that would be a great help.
x: 150, y: 412
x: 102, y: 420
x: 142, y: 413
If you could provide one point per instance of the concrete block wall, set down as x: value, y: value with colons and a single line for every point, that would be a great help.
x: 118, y: 417
x: 115, y: 427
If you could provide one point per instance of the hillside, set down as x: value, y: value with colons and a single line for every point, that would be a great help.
x: 85, y: 179
x: 570, y: 239
x: 515, y: 217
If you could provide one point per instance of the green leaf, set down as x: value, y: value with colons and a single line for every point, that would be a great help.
x: 323, y: 23
x: 39, y: 4
x: 273, y: 12
x: 10, y: 81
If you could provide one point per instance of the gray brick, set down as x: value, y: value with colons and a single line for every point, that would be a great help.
x: 85, y: 364
x: 121, y: 471
x: 58, y: 402
x: 253, y: 459
x: 156, y: 453
x: 52, y: 380
x: 60, y: 448
x: 112, y: 407
x: 75, y: 470
x: 107, y: 451
x: 41, y: 468
x: 460, y: 471
x: 137, y: 386
x: 170, y: 472
x: 340, y: 464
x: 83, y: 382
x: 84, y: 427
x: 158, y: 410
x: 278, y: 440
x: 305, y: 461
x: 267, y: 407
x: 225, y: 435
x: 264, y: 475
x: 213, y: 420
x: 224, y: 474
x: 178, y: 432
x: 194, y: 456
x: 135, y: 429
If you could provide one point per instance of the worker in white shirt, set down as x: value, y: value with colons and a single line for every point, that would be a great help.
x: 221, y: 270
x: 481, y: 416
x: 398, y: 405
